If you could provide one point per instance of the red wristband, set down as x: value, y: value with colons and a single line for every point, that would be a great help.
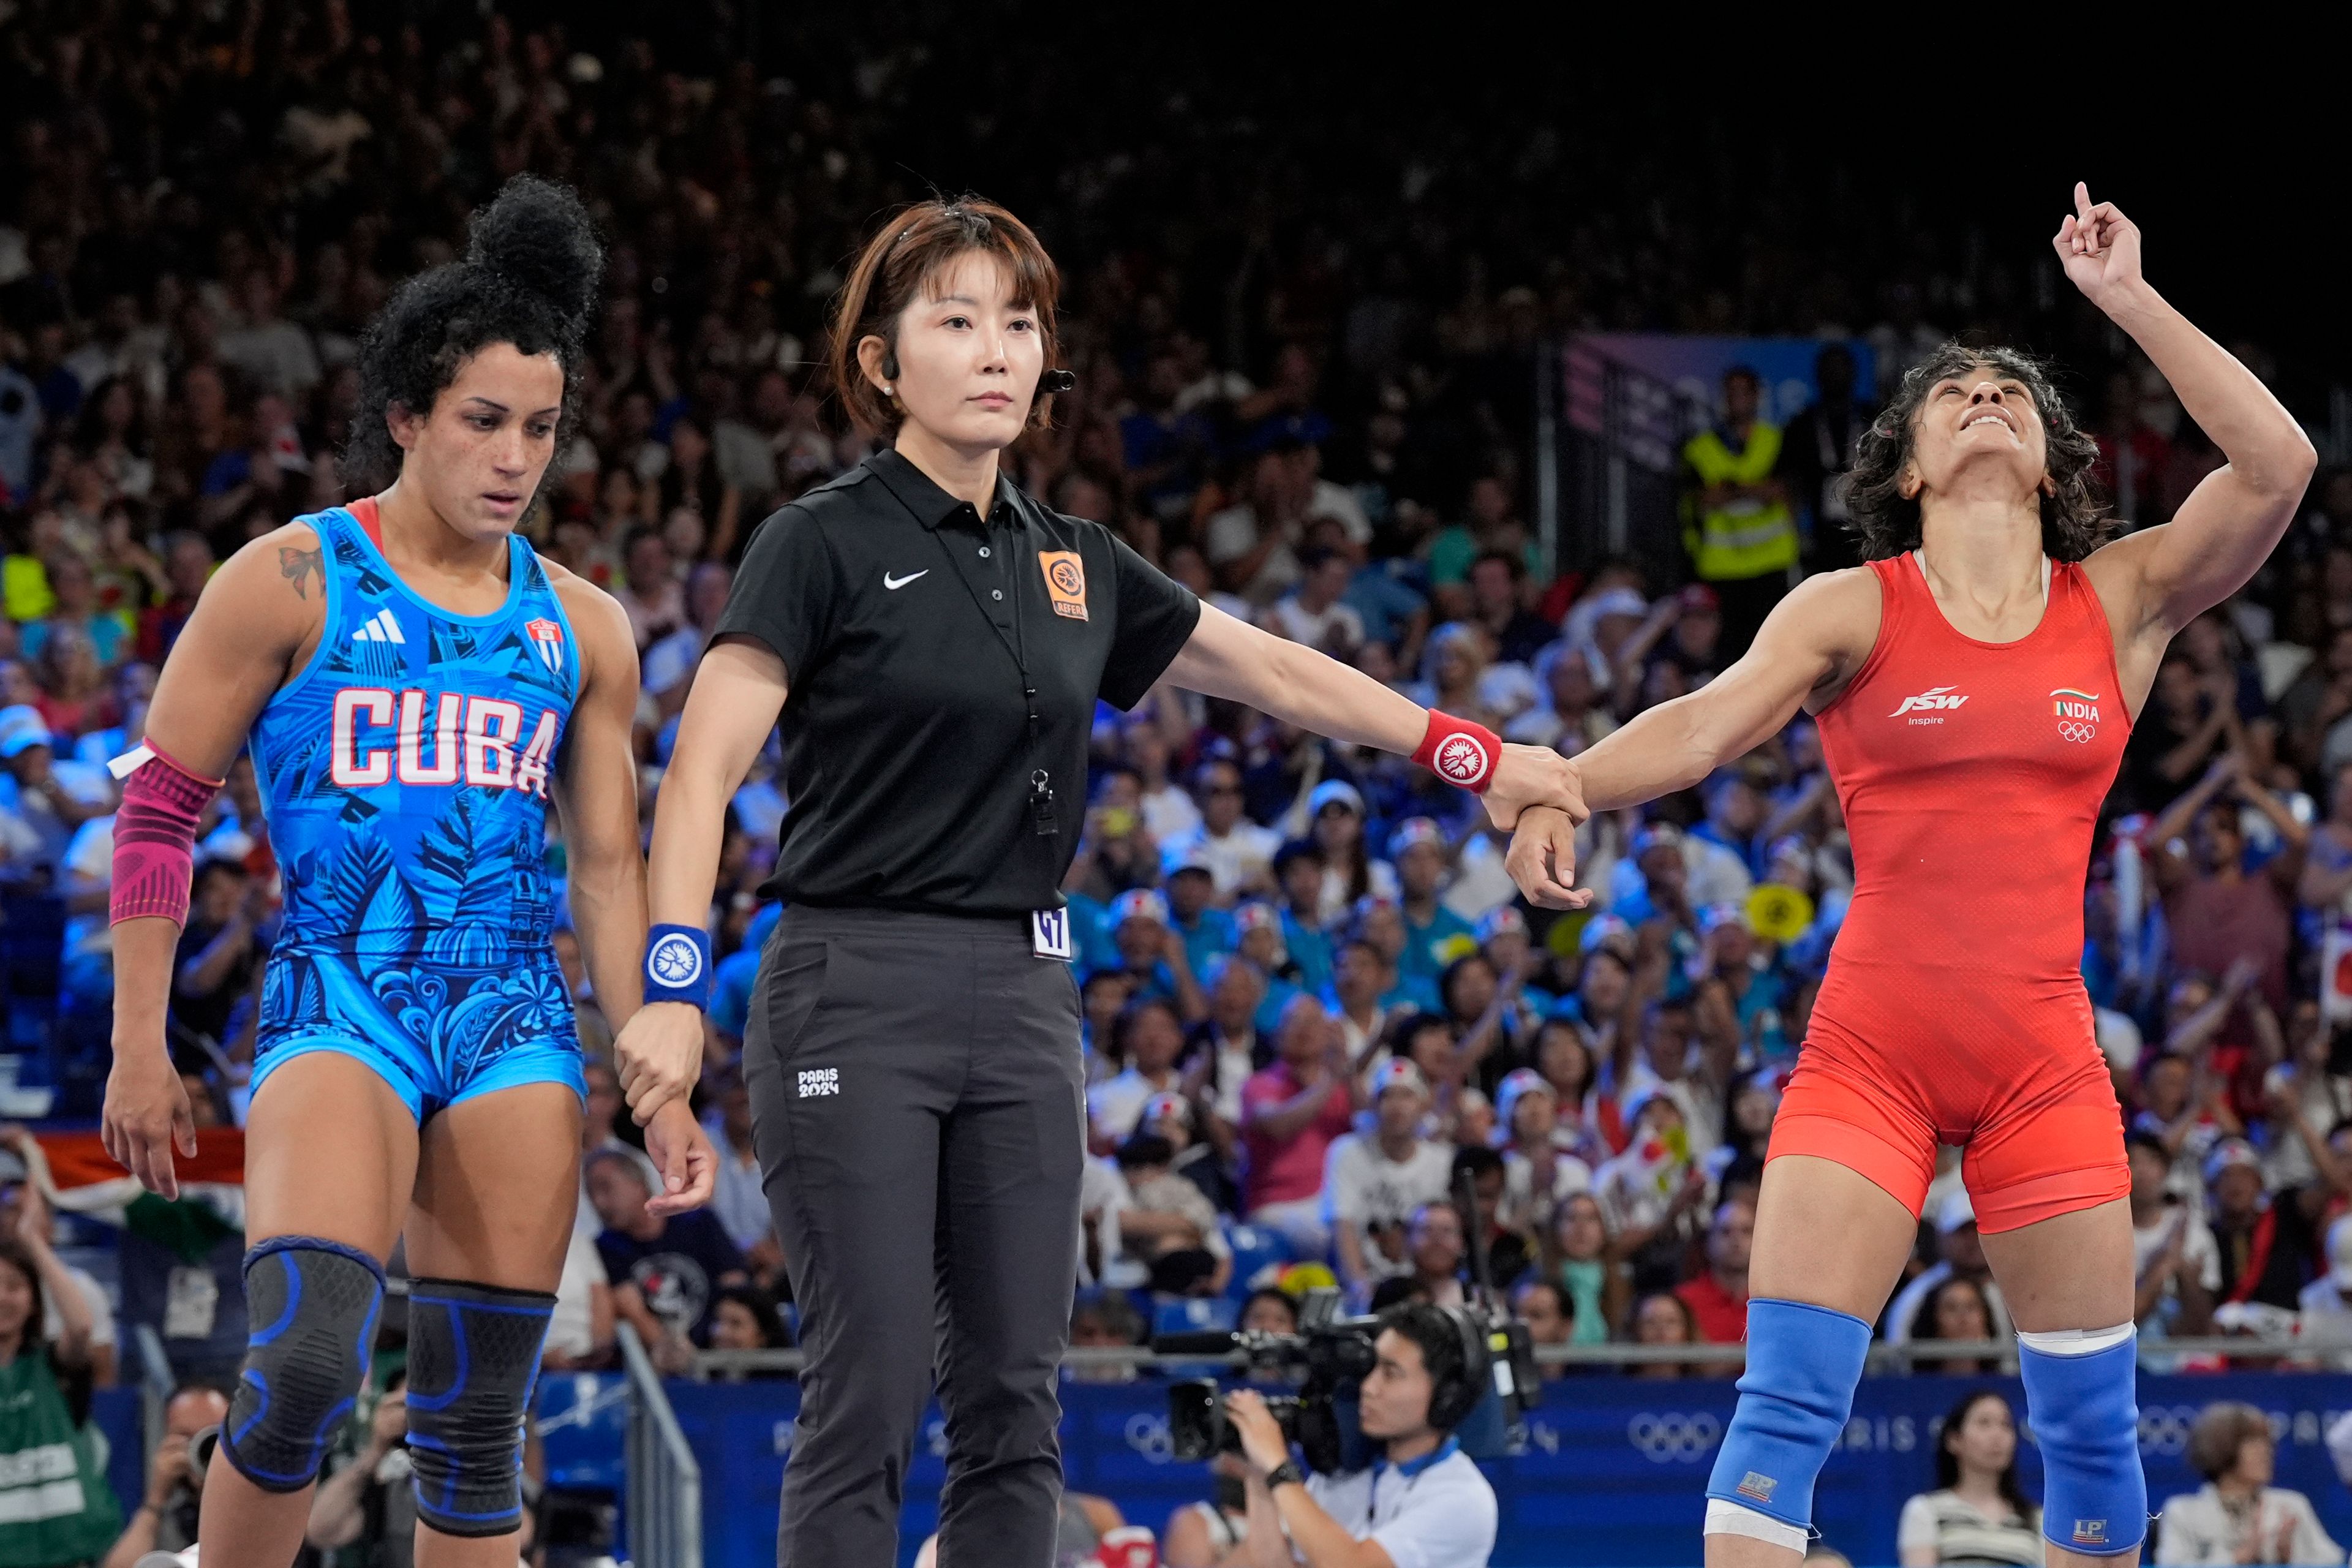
x: 1459, y: 752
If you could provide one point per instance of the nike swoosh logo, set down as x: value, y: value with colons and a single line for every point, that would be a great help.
x: 894, y: 584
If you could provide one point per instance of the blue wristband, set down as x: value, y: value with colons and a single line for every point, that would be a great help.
x: 678, y: 965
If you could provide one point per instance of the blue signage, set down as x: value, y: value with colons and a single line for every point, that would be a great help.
x: 1612, y: 1470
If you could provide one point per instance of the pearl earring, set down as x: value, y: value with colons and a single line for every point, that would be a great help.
x: 888, y: 390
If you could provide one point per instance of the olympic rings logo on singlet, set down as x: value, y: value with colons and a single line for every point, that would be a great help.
x: 2070, y: 730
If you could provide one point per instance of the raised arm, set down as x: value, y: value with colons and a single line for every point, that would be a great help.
x: 1812, y: 644
x: 260, y: 612
x: 2162, y: 578
x: 1230, y: 658
x: 738, y: 690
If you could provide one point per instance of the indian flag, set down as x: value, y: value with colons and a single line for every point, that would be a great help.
x: 75, y: 1172
x: 2058, y: 705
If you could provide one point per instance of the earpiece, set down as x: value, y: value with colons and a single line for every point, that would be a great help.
x: 889, y: 364
x: 1056, y: 381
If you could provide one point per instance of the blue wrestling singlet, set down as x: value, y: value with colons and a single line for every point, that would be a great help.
x: 406, y: 772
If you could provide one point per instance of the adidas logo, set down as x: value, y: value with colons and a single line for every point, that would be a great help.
x: 380, y: 627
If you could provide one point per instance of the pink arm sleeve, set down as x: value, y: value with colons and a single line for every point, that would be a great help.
x: 154, y: 835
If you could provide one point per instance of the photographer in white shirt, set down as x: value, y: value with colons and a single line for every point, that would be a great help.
x: 1424, y: 1504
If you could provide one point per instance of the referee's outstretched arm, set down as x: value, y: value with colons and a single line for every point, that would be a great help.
x: 1230, y: 659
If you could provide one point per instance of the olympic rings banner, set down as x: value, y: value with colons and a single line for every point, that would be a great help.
x: 1612, y: 1470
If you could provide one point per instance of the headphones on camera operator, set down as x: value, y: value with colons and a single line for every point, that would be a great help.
x: 1453, y: 1396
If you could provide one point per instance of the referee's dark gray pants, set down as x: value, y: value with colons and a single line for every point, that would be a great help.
x: 920, y: 1111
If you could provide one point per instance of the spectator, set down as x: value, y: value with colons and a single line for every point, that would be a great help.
x: 2219, y: 912
x: 1351, y: 876
x: 2326, y: 1302
x: 1292, y: 1113
x: 1208, y: 933
x: 1212, y: 1534
x: 1581, y: 1263
x: 1375, y: 1182
x: 1816, y: 449
x: 667, y: 1270
x: 1435, y: 936
x: 1498, y: 588
x: 1652, y: 1195
x: 1539, y: 1172
x: 739, y: 1200
x: 219, y: 960
x: 655, y: 600
x: 1737, y: 526
x: 1977, y: 1514
x: 22, y: 1208
x: 1717, y: 1298
x: 669, y: 663
x: 2267, y: 1245
x: 2237, y: 1516
x: 1663, y: 1317
x: 368, y: 1500
x: 2174, y: 1259
x: 1148, y: 1038
x: 166, y: 1520
x: 42, y: 794
x: 1239, y: 853
x: 579, y: 1331
x: 744, y: 1318
x: 1104, y: 1320
x: 1550, y: 1315
x: 1435, y: 1254
x: 1169, y: 1227
x: 1316, y: 612
x: 1961, y: 1257
x: 1956, y: 1310
x: 1224, y: 1048
x: 71, y: 1517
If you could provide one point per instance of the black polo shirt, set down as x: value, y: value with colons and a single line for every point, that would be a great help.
x: 904, y: 623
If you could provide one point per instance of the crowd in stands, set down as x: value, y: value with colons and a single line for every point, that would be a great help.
x: 1324, y: 1042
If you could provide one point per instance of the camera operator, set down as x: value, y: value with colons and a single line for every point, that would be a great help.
x: 1424, y: 1504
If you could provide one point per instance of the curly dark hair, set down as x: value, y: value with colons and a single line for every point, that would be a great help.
x: 529, y: 278
x: 2074, y: 520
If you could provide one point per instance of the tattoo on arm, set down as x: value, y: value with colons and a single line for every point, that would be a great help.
x: 298, y: 565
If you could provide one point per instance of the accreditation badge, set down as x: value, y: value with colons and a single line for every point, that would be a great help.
x: 1049, y: 934
x: 1065, y: 582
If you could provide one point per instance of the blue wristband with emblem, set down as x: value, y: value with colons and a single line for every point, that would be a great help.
x: 678, y: 965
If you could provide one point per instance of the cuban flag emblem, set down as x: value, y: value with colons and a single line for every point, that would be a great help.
x: 547, y: 641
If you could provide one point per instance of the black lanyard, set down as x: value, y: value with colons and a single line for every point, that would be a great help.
x: 1040, y: 782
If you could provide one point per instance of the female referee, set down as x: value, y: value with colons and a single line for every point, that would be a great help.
x: 412, y: 683
x: 1974, y: 682
x: 935, y: 642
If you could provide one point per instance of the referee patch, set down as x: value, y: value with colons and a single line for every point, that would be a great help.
x: 1065, y: 582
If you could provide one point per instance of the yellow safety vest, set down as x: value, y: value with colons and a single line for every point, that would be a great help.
x: 1748, y: 538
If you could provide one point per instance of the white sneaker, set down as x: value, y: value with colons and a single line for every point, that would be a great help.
x: 168, y: 1560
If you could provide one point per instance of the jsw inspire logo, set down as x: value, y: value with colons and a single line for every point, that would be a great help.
x: 1935, y: 697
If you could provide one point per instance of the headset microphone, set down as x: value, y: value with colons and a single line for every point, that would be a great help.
x: 1056, y: 381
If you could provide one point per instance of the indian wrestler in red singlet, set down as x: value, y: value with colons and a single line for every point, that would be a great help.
x: 1975, y: 682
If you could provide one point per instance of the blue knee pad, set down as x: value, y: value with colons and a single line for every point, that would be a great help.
x: 314, y: 1306
x: 1802, y: 1363
x: 473, y: 1356
x: 2085, y: 1412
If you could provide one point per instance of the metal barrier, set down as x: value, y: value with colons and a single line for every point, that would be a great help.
x: 665, y: 1497
x: 726, y: 1365
x: 156, y: 1384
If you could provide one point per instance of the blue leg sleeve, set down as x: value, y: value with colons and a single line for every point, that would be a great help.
x: 2085, y: 1412
x: 1802, y: 1363
x: 314, y: 1305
